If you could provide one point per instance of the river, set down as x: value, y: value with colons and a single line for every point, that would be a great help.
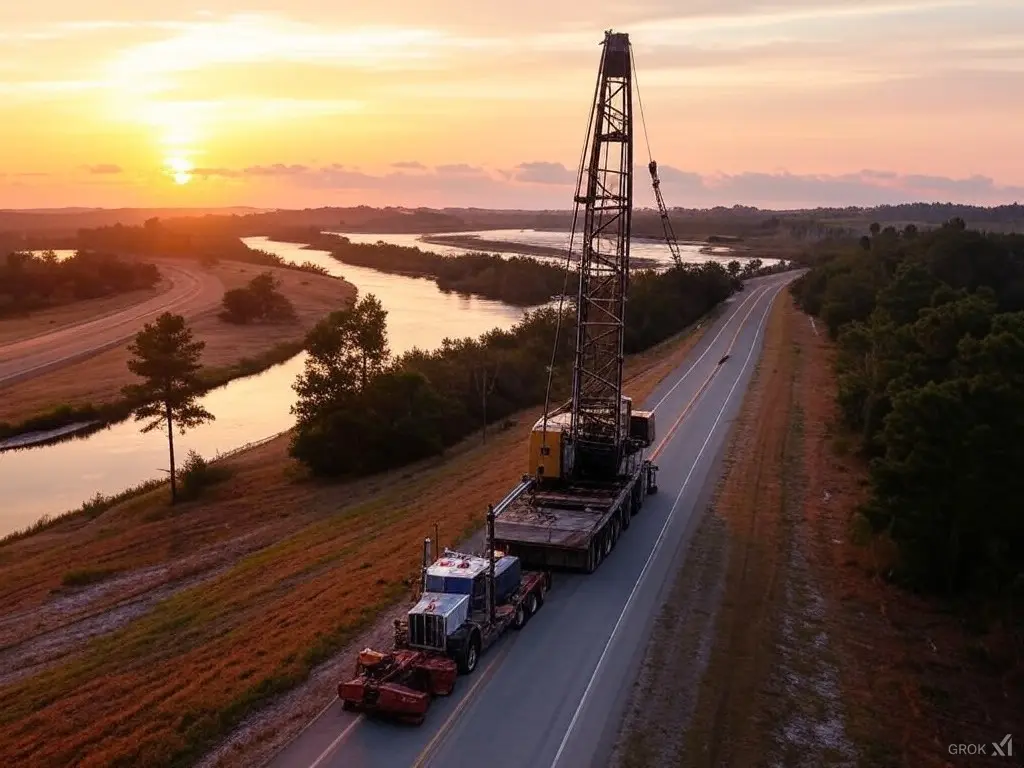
x: 641, y: 248
x: 54, y: 478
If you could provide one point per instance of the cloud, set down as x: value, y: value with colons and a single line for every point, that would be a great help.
x: 543, y: 173
x: 409, y: 165
x: 545, y: 184
x: 104, y: 169
x: 862, y: 188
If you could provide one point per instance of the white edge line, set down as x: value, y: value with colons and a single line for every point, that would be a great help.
x: 657, y: 543
x: 341, y: 737
x: 758, y: 292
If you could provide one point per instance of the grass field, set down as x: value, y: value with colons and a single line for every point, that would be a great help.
x: 99, y: 379
x: 188, y: 620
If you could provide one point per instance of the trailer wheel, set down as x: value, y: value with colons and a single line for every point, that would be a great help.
x: 470, y: 656
x: 607, y: 543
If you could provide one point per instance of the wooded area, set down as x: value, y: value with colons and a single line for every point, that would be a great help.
x: 361, y: 411
x: 30, y: 282
x: 930, y: 333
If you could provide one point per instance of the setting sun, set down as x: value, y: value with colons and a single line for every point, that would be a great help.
x: 180, y: 169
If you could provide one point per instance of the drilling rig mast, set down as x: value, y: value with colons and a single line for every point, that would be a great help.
x: 605, y: 194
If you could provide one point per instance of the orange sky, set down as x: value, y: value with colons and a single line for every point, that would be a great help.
x: 784, y: 103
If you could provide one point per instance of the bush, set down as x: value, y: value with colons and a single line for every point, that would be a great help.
x: 260, y: 300
x: 197, y: 474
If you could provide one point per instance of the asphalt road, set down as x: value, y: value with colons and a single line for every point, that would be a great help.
x: 191, y: 292
x: 553, y: 694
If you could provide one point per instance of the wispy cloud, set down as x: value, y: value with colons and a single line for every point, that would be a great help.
x: 551, y: 184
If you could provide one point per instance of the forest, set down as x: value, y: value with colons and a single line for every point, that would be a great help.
x: 930, y: 378
x: 30, y: 282
x: 360, y: 410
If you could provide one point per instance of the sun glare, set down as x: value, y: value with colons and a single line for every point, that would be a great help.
x: 180, y: 168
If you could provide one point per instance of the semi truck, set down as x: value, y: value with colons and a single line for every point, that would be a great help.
x: 588, y: 471
x: 467, y: 602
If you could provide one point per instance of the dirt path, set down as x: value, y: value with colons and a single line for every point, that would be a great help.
x: 99, y: 378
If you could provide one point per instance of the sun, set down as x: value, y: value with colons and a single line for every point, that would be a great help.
x: 180, y: 168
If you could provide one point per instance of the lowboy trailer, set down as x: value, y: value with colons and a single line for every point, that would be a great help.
x: 574, y: 522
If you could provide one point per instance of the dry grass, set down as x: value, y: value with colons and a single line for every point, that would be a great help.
x: 48, y: 320
x: 915, y: 676
x: 99, y: 379
x: 301, y: 567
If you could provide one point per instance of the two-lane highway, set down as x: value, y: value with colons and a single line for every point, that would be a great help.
x: 192, y: 291
x: 553, y: 694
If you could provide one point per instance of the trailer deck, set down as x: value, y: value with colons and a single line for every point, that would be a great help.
x: 569, y: 518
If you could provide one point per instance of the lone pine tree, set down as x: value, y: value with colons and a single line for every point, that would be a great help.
x: 166, y: 356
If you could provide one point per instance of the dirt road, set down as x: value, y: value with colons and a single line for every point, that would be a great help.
x: 192, y: 291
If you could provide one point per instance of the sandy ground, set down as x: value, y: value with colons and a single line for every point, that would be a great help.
x: 779, y: 643
x: 99, y: 379
x: 262, y: 571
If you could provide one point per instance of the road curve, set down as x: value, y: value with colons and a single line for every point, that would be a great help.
x: 192, y: 291
x: 552, y: 696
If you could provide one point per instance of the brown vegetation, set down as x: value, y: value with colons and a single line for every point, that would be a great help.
x: 273, y: 575
x: 99, y: 379
x: 814, y: 659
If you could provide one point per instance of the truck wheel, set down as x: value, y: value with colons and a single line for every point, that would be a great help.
x: 531, y: 604
x: 519, y: 620
x: 470, y: 656
x: 545, y: 585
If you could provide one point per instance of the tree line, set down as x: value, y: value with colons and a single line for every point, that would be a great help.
x: 930, y: 362
x: 362, y: 410
x: 516, y: 280
x: 30, y: 282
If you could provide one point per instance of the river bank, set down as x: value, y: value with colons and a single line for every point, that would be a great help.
x: 91, y: 389
x: 342, y: 550
x: 248, y: 409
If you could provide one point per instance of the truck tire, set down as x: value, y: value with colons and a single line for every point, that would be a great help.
x: 532, y: 604
x: 519, y: 620
x: 470, y: 655
x: 545, y: 585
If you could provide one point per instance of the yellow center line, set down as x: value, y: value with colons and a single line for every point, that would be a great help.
x: 486, y: 675
x: 496, y: 660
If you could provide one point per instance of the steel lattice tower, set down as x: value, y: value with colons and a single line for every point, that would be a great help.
x: 605, y: 191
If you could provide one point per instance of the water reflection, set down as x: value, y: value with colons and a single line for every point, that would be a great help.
x: 247, y: 409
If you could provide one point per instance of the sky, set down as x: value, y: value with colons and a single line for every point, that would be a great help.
x: 774, y: 103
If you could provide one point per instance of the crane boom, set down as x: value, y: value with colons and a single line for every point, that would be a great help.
x: 666, y: 223
x: 605, y: 193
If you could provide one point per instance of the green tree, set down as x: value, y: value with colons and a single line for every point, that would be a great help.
x: 346, y: 350
x: 166, y: 356
x: 368, y: 324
